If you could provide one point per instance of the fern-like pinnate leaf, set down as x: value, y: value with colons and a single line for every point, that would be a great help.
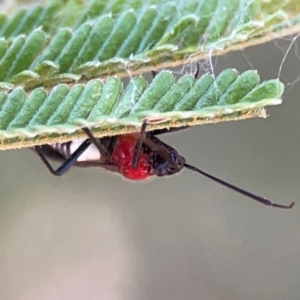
x: 45, y: 116
x: 122, y: 37
x: 61, y: 64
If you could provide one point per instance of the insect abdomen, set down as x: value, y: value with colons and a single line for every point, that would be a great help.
x: 67, y: 149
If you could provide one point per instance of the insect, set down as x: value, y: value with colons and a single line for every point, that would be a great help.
x: 136, y: 156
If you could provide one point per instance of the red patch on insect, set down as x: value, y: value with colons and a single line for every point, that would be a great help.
x: 122, y: 156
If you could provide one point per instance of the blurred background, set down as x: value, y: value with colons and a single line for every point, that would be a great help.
x: 93, y: 235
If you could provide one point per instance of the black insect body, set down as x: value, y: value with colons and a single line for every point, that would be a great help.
x: 136, y: 156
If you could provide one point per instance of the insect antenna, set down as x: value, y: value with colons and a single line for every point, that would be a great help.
x: 239, y: 190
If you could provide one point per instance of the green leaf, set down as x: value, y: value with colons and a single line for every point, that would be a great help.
x: 121, y: 37
x: 57, y: 59
x: 24, y: 21
x: 59, y: 114
x: 23, y: 52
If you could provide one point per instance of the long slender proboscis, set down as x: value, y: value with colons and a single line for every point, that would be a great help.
x: 239, y: 190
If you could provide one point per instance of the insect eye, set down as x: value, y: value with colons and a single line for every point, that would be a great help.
x: 161, y: 170
x: 174, y: 155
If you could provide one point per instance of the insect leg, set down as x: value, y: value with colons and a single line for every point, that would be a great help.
x: 157, y: 148
x: 100, y: 147
x: 153, y: 146
x: 163, y: 131
x: 138, y: 146
x: 68, y: 163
